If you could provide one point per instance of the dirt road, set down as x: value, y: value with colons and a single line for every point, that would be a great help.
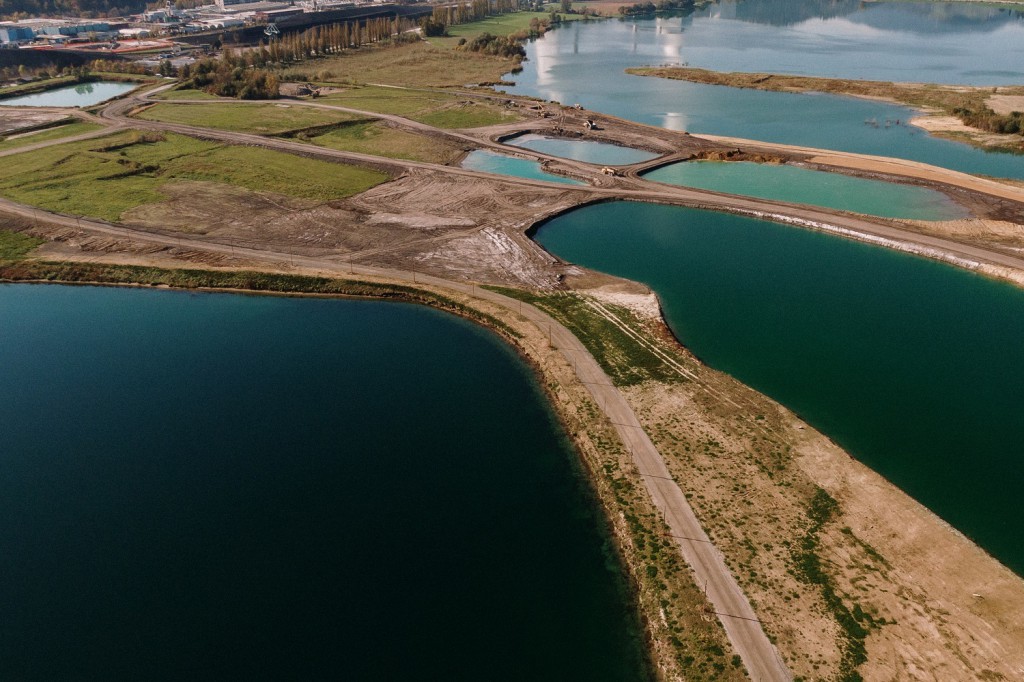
x: 874, y: 230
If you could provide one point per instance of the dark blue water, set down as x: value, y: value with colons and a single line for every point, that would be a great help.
x: 202, y: 486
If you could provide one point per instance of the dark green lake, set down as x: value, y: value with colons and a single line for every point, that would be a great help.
x: 200, y: 486
x: 913, y: 366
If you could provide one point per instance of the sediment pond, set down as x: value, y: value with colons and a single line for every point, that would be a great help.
x: 585, y: 62
x: 78, y: 95
x: 589, y: 151
x: 913, y: 366
x: 500, y: 164
x: 211, y: 486
x: 817, y: 188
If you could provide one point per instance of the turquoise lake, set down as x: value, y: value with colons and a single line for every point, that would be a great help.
x: 818, y: 188
x: 913, y: 366
x: 585, y: 62
x: 202, y: 486
x: 80, y: 95
x: 590, y: 151
x: 500, y: 164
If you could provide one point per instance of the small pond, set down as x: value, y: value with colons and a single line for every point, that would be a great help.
x: 78, y: 95
x: 817, y: 188
x: 589, y: 151
x: 490, y: 162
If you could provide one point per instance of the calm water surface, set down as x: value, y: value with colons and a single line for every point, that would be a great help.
x: 589, y: 151
x: 911, y: 365
x: 956, y: 43
x: 80, y: 95
x: 944, y: 42
x: 500, y: 164
x: 224, y: 487
x: 805, y: 186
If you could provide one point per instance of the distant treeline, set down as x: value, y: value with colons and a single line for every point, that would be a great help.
x: 81, y: 72
x: 21, y: 9
x: 642, y: 8
x: 463, y: 13
x: 248, y: 74
x: 321, y: 41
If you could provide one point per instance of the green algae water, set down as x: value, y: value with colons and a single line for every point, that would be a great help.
x: 911, y: 365
x: 817, y: 188
x: 199, y: 486
x: 500, y: 164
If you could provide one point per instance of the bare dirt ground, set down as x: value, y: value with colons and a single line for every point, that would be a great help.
x: 13, y: 119
x: 999, y: 235
x: 1005, y: 104
x: 941, y: 125
x: 424, y: 221
x: 749, y: 467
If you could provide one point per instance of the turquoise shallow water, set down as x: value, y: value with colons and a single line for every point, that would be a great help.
x: 805, y: 186
x: 203, y: 486
x: 913, y: 366
x: 509, y: 165
x: 81, y: 95
x: 589, y: 151
x: 903, y: 41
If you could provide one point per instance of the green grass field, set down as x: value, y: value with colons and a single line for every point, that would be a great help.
x: 501, y: 25
x: 419, y: 64
x: 433, y: 108
x: 374, y: 137
x: 263, y: 119
x: 105, y: 177
x: 55, y: 133
x: 186, y: 93
x: 14, y: 246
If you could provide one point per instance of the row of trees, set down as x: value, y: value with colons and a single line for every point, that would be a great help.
x: 463, y: 13
x: 246, y: 74
x: 23, y: 9
x: 648, y: 7
x: 320, y: 41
